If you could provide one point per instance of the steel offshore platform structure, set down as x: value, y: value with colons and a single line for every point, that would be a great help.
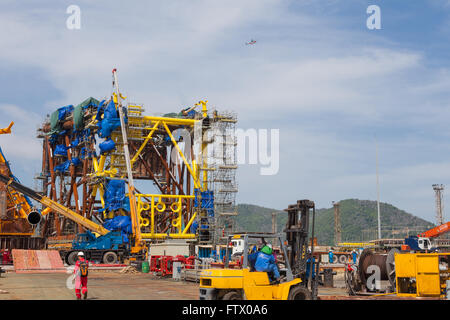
x: 93, y: 151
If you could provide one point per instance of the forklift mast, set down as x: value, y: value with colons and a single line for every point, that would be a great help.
x: 297, y: 230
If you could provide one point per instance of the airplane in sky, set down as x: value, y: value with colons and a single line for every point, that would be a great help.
x: 251, y: 42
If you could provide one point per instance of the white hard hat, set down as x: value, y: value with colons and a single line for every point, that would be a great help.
x: 80, y: 253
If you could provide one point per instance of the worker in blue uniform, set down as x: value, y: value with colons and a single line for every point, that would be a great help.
x: 330, y: 256
x: 252, y: 258
x: 308, y: 268
x: 354, y: 256
x: 265, y: 262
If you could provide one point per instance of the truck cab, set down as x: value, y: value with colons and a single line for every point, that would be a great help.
x: 86, y: 241
x: 237, y: 246
x: 419, y: 243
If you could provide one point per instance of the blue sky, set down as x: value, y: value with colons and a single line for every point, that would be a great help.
x: 330, y: 85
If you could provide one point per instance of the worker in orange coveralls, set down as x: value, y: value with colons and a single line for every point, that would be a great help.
x: 81, y: 276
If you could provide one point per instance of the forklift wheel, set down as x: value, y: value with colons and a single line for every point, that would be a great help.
x: 232, y: 295
x: 299, y: 293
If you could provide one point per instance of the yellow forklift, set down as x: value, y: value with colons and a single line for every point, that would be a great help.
x: 294, y: 263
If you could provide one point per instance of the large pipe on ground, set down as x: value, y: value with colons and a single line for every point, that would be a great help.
x: 368, y: 259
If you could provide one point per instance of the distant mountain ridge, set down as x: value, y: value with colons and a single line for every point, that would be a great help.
x: 358, y: 221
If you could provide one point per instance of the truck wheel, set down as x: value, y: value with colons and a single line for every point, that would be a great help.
x: 72, y: 258
x: 299, y: 293
x: 232, y: 295
x: 110, y: 257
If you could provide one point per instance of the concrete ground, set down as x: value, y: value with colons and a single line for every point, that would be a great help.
x: 102, y: 285
x: 112, y: 285
x: 105, y: 285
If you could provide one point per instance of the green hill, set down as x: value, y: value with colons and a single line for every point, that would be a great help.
x: 358, y: 221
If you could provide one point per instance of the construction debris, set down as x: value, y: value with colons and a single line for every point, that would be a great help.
x: 129, y: 269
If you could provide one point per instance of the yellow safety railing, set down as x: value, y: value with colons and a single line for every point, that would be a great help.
x: 355, y: 244
x: 158, y: 206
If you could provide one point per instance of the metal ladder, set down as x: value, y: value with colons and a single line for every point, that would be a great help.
x: 135, y: 128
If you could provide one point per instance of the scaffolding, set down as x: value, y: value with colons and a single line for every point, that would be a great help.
x: 223, y: 160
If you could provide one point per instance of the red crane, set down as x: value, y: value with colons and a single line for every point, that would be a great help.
x: 436, y: 231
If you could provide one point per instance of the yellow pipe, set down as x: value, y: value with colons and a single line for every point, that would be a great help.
x: 20, y: 202
x: 95, y: 163
x: 102, y: 193
x: 22, y: 212
x: 171, y: 121
x: 111, y: 172
x: 182, y: 236
x: 145, y: 142
x: 153, y: 235
x: 181, y: 154
x: 153, y: 216
x: 186, y: 228
x: 94, y: 191
x: 194, y: 169
x: 45, y: 211
x: 168, y: 196
x: 101, y: 164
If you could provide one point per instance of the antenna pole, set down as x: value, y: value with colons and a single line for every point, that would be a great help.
x: 378, y: 193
